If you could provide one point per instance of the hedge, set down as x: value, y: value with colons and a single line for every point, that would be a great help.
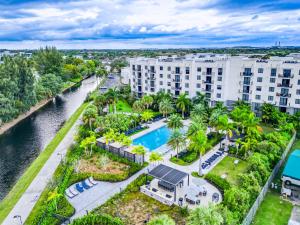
x: 218, y: 181
x: 93, y: 219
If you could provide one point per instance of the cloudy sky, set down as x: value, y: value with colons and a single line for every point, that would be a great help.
x: 148, y: 23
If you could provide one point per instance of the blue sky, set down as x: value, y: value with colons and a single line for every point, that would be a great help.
x: 148, y: 23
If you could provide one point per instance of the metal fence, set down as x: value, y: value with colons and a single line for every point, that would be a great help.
x: 251, y: 214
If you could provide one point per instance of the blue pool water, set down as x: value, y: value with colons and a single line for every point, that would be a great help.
x: 154, y: 139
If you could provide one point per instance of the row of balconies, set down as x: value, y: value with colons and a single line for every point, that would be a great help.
x: 285, y: 85
x: 208, y: 74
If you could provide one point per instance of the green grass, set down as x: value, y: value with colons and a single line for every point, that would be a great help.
x: 122, y: 106
x: 227, y: 166
x: 273, y: 211
x: 20, y: 187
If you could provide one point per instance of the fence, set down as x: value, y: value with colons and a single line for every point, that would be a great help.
x: 251, y: 214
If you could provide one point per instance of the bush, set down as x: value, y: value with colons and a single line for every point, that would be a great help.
x: 93, y: 219
x: 218, y: 181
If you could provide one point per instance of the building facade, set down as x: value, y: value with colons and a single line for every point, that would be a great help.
x: 222, y: 78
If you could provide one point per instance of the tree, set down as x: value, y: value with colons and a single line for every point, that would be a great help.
x: 161, y: 220
x: 155, y: 157
x: 100, y: 102
x: 247, y: 145
x: 200, y: 98
x: 53, y: 196
x: 147, y: 100
x: 138, y: 106
x: 174, y: 122
x: 71, y: 71
x: 88, y: 142
x: 183, y: 103
x: 194, y: 127
x: 224, y: 125
x: 165, y: 107
x: 200, y: 110
x: 176, y: 141
x: 270, y: 114
x: 109, y: 136
x: 139, y: 150
x: 112, y: 96
x: 204, y: 215
x: 89, y: 115
x: 51, y: 85
x: 198, y: 143
x: 147, y: 115
x: 48, y: 61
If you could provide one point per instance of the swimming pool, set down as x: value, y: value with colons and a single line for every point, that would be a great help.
x: 154, y: 139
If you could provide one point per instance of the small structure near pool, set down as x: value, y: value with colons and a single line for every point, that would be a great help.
x: 291, y: 176
x: 171, y: 186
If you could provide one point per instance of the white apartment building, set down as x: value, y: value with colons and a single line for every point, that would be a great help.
x: 221, y: 78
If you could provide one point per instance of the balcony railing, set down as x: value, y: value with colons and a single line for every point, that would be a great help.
x: 283, y: 95
x: 246, y: 74
x: 286, y: 75
x: 285, y: 85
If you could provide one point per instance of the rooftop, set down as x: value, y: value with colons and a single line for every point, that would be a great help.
x: 292, y: 167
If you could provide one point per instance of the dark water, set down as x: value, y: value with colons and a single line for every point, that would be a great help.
x: 23, y: 143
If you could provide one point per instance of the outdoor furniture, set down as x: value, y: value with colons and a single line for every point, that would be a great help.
x: 85, y: 186
x: 79, y: 188
x: 166, y: 186
x: 91, y: 179
x: 88, y: 182
x: 73, y: 190
x: 69, y: 193
x: 198, y: 202
x: 154, y: 189
x: 215, y: 197
x: 168, y: 196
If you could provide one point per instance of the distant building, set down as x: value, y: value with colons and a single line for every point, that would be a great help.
x: 291, y: 176
x: 222, y: 78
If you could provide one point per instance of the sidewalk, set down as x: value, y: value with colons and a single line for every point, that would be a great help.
x: 33, y: 192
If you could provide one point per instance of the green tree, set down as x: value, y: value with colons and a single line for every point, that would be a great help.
x: 90, y: 115
x: 147, y: 100
x: 147, y: 115
x: 204, y: 215
x: 51, y: 85
x: 225, y: 126
x: 183, y: 103
x: 165, y: 107
x: 174, y: 122
x: 155, y: 157
x: 161, y: 220
x: 138, y: 106
x: 176, y: 141
x: 200, y: 98
x: 112, y: 96
x: 53, y: 197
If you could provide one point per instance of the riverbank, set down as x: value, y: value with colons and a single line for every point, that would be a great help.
x: 6, y: 126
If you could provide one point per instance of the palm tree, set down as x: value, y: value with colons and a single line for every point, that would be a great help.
x: 147, y: 100
x: 165, y: 107
x: 100, y: 102
x: 147, y: 115
x: 161, y: 220
x: 90, y: 114
x: 109, y: 136
x: 138, y: 106
x: 194, y: 127
x: 200, y: 110
x: 204, y: 215
x: 139, y: 150
x: 175, y: 122
x: 247, y: 145
x: 88, y: 142
x: 198, y: 143
x: 200, y: 99
x: 183, y: 103
x: 112, y: 96
x: 176, y: 141
x: 224, y: 125
x: 155, y: 157
x: 214, y: 117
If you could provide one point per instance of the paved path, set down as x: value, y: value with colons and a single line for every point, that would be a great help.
x: 295, y: 216
x: 33, y: 192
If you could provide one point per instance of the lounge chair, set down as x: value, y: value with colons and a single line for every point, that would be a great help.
x: 85, y: 185
x: 91, y: 179
x: 69, y: 194
x: 73, y: 190
x: 79, y: 188
x: 88, y: 182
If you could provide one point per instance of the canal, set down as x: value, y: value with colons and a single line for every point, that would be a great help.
x: 22, y: 144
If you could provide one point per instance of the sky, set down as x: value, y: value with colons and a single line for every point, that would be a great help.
x: 123, y: 24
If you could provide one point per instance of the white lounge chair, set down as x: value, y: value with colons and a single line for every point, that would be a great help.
x: 88, y: 182
x: 69, y: 193
x: 91, y: 179
x: 73, y: 190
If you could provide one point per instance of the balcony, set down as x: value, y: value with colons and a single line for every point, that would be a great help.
x: 208, y: 74
x: 286, y: 75
x: 208, y: 82
x: 285, y: 85
x: 177, y: 80
x: 284, y: 95
x: 246, y: 74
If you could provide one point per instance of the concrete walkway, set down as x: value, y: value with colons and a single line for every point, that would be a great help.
x: 37, y: 186
x: 295, y: 216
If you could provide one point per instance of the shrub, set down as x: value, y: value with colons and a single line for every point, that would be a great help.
x: 93, y: 219
x: 218, y: 181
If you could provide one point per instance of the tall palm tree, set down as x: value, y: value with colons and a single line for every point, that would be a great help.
x: 165, y: 107
x: 138, y: 106
x: 175, y: 122
x: 194, y: 127
x: 224, y: 125
x: 155, y: 157
x: 176, y: 141
x: 90, y: 115
x: 200, y: 98
x: 200, y: 110
x: 147, y: 115
x: 147, y: 100
x: 198, y: 143
x: 247, y: 146
x: 183, y: 103
x: 113, y: 96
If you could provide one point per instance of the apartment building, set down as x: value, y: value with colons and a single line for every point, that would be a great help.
x: 221, y: 78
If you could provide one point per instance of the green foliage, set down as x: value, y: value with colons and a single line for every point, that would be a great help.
x: 205, y: 215
x: 174, y: 122
x: 92, y: 219
x: 165, y: 107
x: 183, y: 103
x: 250, y: 184
x: 218, y: 181
x: 161, y: 220
x: 48, y: 86
x: 260, y: 163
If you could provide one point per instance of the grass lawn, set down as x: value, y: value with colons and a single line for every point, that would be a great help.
x: 226, y: 166
x: 122, y: 106
x: 20, y: 187
x: 273, y: 211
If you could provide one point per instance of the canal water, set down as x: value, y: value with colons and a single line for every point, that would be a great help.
x: 23, y: 143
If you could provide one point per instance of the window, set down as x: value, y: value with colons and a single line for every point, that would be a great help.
x: 298, y: 91
x: 257, y: 97
x: 169, y: 84
x: 169, y: 68
x: 186, y: 85
x: 187, y: 70
x: 187, y: 92
x: 161, y: 83
x: 198, y: 85
x: 297, y: 101
x: 169, y: 76
x: 273, y: 72
x: 219, y: 78
x: 218, y: 95
x: 219, y: 87
x: 187, y: 77
x: 177, y: 70
x: 272, y: 80
x: 271, y: 89
x: 220, y: 71
x: 198, y: 77
x: 161, y: 68
x: 198, y: 69
x: 161, y: 75
x: 259, y: 79
x: 270, y: 98
x: 258, y: 88
x: 298, y: 82
x: 260, y: 70
x: 245, y: 97
x: 146, y: 67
